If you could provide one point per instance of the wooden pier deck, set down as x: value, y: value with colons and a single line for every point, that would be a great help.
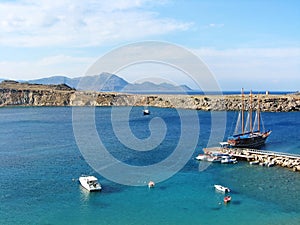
x: 263, y: 157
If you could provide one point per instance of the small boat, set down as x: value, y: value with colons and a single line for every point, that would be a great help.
x: 227, y: 199
x: 90, y: 183
x: 146, y: 111
x: 202, y: 157
x: 262, y: 163
x: 256, y: 162
x: 221, y: 188
x: 210, y: 157
x: 151, y: 184
x: 213, y: 159
x: 228, y: 159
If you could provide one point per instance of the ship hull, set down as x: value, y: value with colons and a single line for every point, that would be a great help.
x: 250, y: 140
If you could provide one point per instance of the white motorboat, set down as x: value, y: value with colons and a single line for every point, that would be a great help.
x: 228, y: 159
x: 146, y: 111
x: 221, y: 188
x: 90, y: 183
x: 201, y: 157
x: 256, y: 162
x: 212, y: 157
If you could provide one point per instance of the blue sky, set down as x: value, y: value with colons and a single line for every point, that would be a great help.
x: 251, y: 44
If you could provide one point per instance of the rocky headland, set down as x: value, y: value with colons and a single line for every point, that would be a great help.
x: 13, y: 93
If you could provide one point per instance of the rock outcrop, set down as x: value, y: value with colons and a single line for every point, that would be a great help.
x: 22, y: 94
x: 13, y: 93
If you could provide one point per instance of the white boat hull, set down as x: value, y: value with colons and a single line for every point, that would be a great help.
x: 229, y: 160
x: 201, y: 157
x: 221, y: 188
x: 90, y: 183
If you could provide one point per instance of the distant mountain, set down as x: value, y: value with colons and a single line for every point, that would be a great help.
x: 49, y: 80
x: 102, y: 82
x: 110, y: 83
x: 152, y: 88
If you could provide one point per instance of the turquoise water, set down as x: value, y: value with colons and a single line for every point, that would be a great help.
x: 40, y: 164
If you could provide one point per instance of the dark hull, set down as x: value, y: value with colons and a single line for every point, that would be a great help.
x: 249, y: 141
x: 146, y: 112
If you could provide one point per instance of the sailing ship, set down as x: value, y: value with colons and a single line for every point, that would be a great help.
x: 250, y: 134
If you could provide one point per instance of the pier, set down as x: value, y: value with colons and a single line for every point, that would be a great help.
x: 262, y: 157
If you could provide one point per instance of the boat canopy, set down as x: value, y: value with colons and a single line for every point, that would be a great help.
x: 91, y: 178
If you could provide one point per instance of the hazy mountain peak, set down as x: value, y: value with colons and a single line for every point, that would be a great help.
x: 108, y: 82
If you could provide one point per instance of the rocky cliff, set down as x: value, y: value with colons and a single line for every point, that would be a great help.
x: 23, y: 94
x: 14, y: 93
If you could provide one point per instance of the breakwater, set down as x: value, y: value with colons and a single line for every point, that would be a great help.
x: 261, y: 157
x: 23, y: 94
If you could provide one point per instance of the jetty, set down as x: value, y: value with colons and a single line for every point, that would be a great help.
x: 262, y: 157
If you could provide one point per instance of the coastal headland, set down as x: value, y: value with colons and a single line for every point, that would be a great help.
x: 13, y: 93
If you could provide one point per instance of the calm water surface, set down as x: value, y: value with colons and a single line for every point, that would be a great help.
x: 40, y: 164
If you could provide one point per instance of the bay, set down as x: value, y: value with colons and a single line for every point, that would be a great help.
x: 40, y: 163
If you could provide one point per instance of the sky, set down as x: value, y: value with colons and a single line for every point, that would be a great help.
x: 254, y: 44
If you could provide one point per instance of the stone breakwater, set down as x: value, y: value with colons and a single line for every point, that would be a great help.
x: 263, y: 157
x: 19, y: 94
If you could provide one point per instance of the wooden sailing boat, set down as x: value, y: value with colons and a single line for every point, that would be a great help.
x: 251, y: 134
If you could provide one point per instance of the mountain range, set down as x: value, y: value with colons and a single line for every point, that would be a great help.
x: 107, y: 82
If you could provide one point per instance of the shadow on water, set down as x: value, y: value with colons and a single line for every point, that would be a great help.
x: 234, y: 192
x: 221, y: 205
x: 111, y: 189
x: 100, y: 204
x: 162, y: 188
x: 236, y: 203
x: 216, y: 208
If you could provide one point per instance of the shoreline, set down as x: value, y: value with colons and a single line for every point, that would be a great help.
x: 23, y: 94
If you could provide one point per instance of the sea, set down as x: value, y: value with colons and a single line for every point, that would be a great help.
x: 41, y: 161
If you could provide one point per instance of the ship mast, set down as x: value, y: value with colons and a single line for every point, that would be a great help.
x: 250, y: 112
x: 243, y: 110
x: 258, y: 114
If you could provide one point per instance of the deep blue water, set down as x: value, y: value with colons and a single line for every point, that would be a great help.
x: 40, y: 163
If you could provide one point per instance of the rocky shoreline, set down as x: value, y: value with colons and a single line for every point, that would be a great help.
x: 23, y: 94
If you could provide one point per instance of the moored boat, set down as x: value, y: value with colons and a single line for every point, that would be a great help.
x: 221, y: 188
x: 249, y: 136
x: 227, y: 199
x: 201, y: 157
x: 146, y: 111
x: 210, y: 157
x: 213, y: 159
x: 228, y: 159
x: 256, y: 162
x: 90, y: 183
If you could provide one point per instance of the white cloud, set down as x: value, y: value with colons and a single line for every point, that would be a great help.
x: 215, y: 25
x: 80, y: 23
x: 242, y: 52
x: 264, y: 68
